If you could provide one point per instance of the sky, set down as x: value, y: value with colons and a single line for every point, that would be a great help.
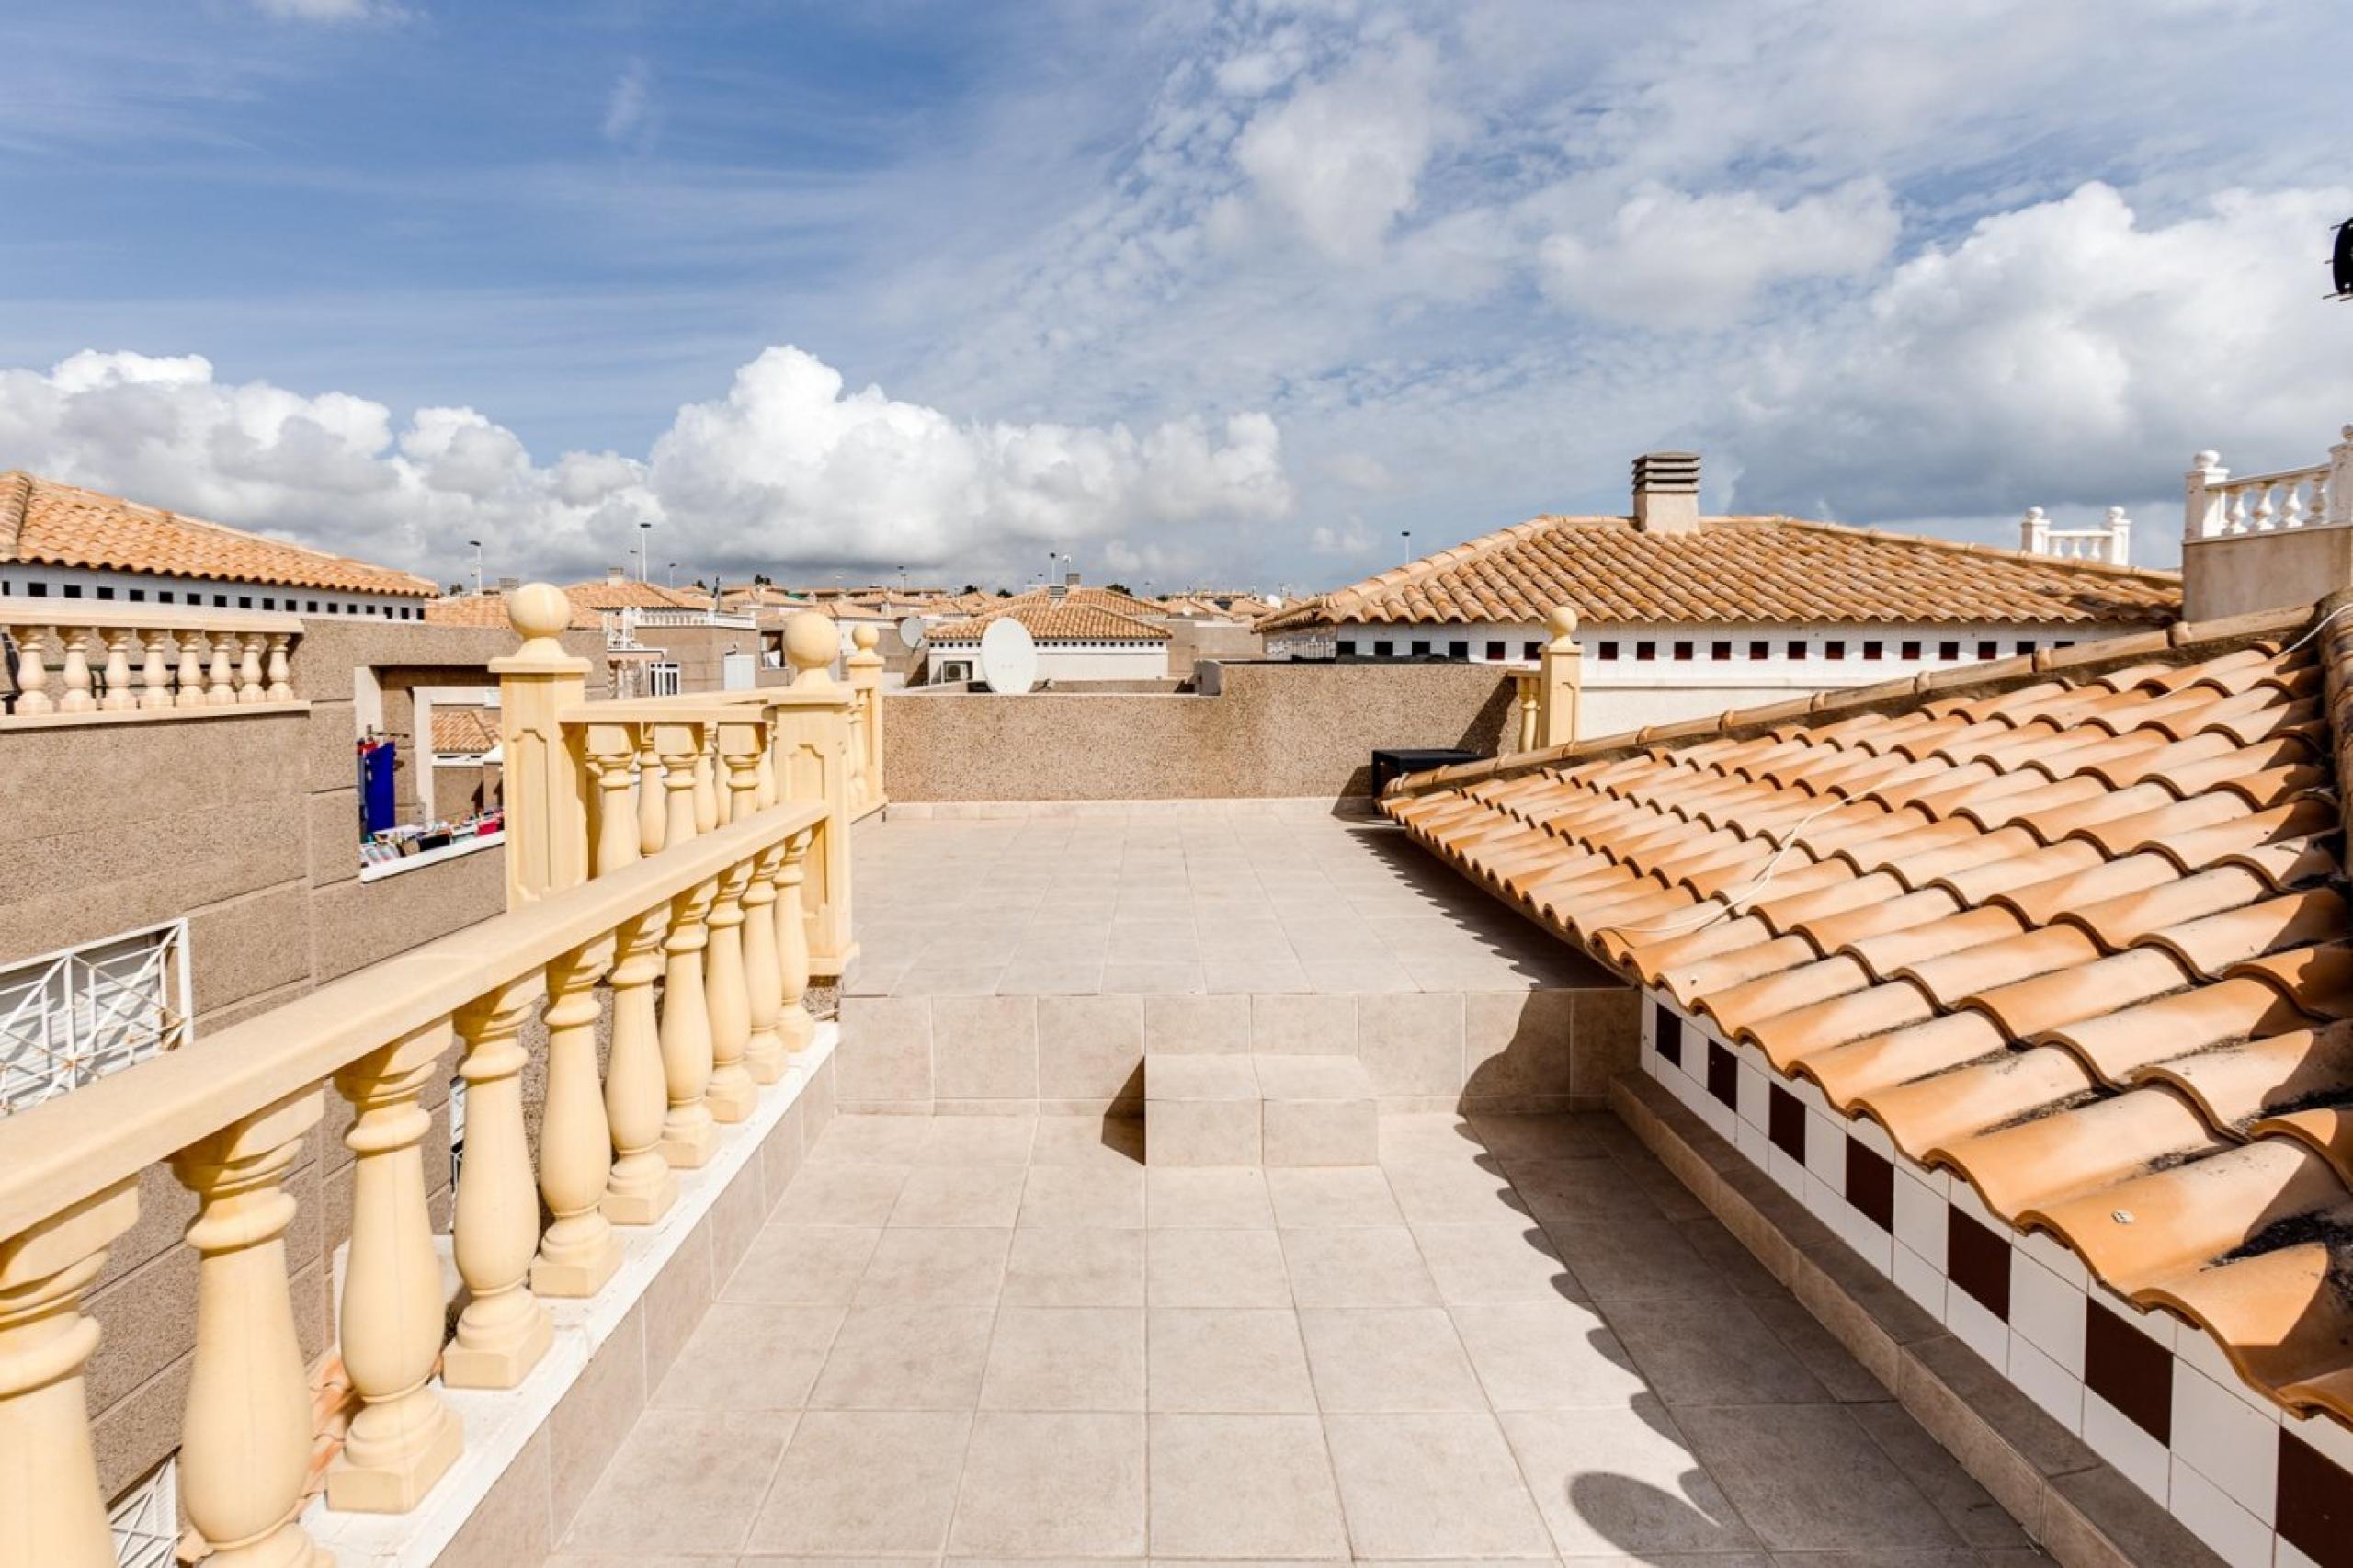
x: 1188, y: 293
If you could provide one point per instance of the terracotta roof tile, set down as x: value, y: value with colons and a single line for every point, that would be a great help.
x: 1737, y: 570
x: 2074, y: 932
x: 63, y: 525
x: 489, y: 609
x: 1081, y: 615
x: 463, y: 730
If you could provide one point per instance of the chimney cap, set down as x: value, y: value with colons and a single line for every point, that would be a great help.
x: 1667, y: 492
x: 615, y: 573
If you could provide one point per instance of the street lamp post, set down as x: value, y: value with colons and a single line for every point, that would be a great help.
x: 477, y: 544
x: 644, y: 551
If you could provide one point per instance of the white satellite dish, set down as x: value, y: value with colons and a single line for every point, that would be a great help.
x: 910, y: 631
x: 1008, y: 657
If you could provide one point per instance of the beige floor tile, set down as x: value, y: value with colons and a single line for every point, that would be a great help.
x: 1365, y: 1267
x: 870, y: 1140
x: 1511, y: 1261
x: 803, y: 1265
x: 1410, y: 1137
x: 1242, y: 1486
x: 750, y: 1356
x: 1432, y: 1485
x: 967, y: 1195
x: 857, y: 1482
x: 1108, y: 1142
x: 1074, y: 1196
x: 841, y: 1195
x: 1807, y: 1478
x: 684, y: 1481
x: 1215, y: 1269
x: 1598, y: 1190
x: 1622, y: 1481
x: 901, y: 1358
x: 1453, y: 1192
x: 962, y: 1141
x: 1092, y: 1268
x: 1347, y: 1195
x: 1577, y: 1136
x: 1061, y: 1484
x: 1635, y: 1260
x: 1207, y: 1360
x: 941, y: 1267
x: 1967, y: 1506
x: 1402, y: 1358
x: 1709, y: 1350
x: 1176, y: 1198
x: 1065, y: 1359
x: 1547, y: 1356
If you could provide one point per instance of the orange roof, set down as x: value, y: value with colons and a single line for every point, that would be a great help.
x: 65, y: 524
x: 630, y: 593
x: 489, y: 608
x: 463, y: 731
x: 2071, y: 927
x: 1082, y: 615
x: 1737, y: 569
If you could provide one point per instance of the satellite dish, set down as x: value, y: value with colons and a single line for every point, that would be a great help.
x: 910, y: 631
x: 2340, y: 261
x: 1008, y: 657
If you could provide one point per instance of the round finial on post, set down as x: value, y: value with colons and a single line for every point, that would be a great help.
x: 2115, y: 516
x: 1562, y: 622
x: 2208, y: 459
x: 2034, y: 515
x: 811, y: 645
x: 866, y: 637
x: 541, y: 613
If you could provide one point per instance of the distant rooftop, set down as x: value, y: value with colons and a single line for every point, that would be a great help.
x: 1074, y: 614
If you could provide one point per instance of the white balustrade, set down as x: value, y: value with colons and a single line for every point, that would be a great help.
x: 2219, y: 504
x: 116, y: 662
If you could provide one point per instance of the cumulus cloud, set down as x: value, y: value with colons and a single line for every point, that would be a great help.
x: 787, y: 468
x: 1669, y: 258
x: 1348, y: 539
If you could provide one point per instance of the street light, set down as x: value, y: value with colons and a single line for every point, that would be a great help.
x: 477, y: 544
x: 674, y: 574
x: 644, y: 550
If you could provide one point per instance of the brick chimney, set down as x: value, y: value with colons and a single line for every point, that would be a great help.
x: 1666, y: 492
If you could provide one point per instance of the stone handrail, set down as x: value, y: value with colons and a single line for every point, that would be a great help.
x: 74, y: 662
x: 2221, y: 504
x: 717, y: 916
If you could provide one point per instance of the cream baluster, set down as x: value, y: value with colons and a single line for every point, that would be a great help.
x: 579, y: 1252
x: 221, y: 678
x: 762, y: 970
x: 795, y: 1028
x: 2261, y: 516
x: 76, y: 673
x: 245, y: 1426
x: 281, y: 674
x: 51, y: 1509
x: 641, y: 1187
x: 689, y: 1138
x: 677, y: 743
x: 504, y: 1329
x: 154, y: 672
x: 652, y: 805
x: 191, y: 677
x: 730, y: 1092
x: 705, y: 778
x: 404, y: 1436
x: 32, y: 672
x: 118, y: 698
x: 250, y: 688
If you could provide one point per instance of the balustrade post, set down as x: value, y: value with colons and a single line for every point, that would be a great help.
x: 2119, y: 537
x: 865, y: 671
x: 1562, y: 673
x: 118, y: 698
x: 730, y: 1092
x: 504, y: 1329
x: 706, y: 787
x: 2340, y: 478
x: 154, y: 674
x: 795, y: 1028
x: 612, y: 761
x: 251, y: 686
x: 246, y: 1428
x: 404, y: 1436
x: 678, y: 747
x: 281, y: 672
x: 191, y: 669
x: 543, y: 771
x: 813, y: 720
x: 32, y: 671
x: 220, y: 672
x: 641, y: 1187
x: 579, y: 1252
x: 689, y: 1138
x: 764, y: 1048
x: 51, y: 1509
x: 2034, y: 532
x: 2204, y: 511
x: 76, y: 672
x: 653, y: 807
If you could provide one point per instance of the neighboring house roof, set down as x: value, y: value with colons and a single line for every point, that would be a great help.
x: 2071, y: 927
x: 1083, y: 615
x: 45, y: 521
x: 489, y: 609
x: 605, y: 594
x: 1736, y: 570
x: 463, y: 731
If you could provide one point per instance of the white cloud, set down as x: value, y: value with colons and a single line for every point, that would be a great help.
x: 1341, y: 159
x: 1349, y: 538
x: 330, y: 10
x: 1668, y: 258
x: 631, y: 118
x: 787, y: 469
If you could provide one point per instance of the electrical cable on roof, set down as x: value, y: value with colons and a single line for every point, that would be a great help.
x: 1763, y: 878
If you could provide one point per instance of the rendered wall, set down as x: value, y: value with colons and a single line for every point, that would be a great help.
x: 2239, y: 574
x: 1268, y: 730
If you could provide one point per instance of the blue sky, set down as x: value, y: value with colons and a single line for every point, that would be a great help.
x: 1197, y: 292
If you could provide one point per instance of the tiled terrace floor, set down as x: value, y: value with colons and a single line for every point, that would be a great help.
x: 1157, y: 903
x: 978, y: 1338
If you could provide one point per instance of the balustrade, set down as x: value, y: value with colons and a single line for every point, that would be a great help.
x: 718, y: 908
x: 2221, y: 504
x: 116, y: 662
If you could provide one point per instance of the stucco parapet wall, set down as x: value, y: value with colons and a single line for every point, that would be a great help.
x: 1270, y: 730
x: 332, y: 648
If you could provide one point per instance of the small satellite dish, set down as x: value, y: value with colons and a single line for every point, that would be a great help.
x: 910, y: 631
x: 1008, y: 657
x: 2340, y: 261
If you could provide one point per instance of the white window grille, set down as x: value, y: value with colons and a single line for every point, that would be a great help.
x: 661, y: 679
x: 147, y: 1521
x: 70, y: 1018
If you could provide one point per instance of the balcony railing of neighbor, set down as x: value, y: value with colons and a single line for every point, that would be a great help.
x: 72, y: 663
x: 2111, y: 543
x: 702, y: 842
x: 2219, y: 504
